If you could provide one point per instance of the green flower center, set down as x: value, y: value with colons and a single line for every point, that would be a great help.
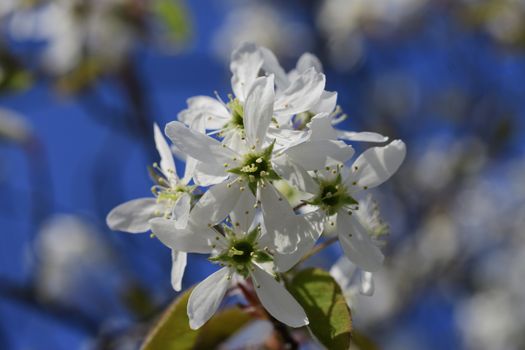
x: 256, y: 167
x: 332, y: 196
x: 172, y: 193
x: 237, y: 115
x: 242, y: 252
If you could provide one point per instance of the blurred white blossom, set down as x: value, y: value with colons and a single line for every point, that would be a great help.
x: 345, y: 24
x: 265, y: 25
x: 75, y: 266
x: 14, y: 127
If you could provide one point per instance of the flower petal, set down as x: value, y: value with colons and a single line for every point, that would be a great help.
x: 213, y: 113
x: 344, y: 272
x: 181, y: 211
x: 206, y: 298
x: 192, y: 239
x: 178, y: 265
x: 252, y: 336
x: 301, y: 95
x: 316, y: 154
x: 189, y: 170
x: 357, y: 244
x: 167, y: 164
x: 132, y: 216
x: 271, y: 66
x: 216, y: 203
x: 307, y: 61
x: 258, y: 110
x: 246, y: 61
x: 377, y: 164
x: 197, y: 145
x: 365, y: 136
x: 277, y: 300
x: 206, y: 174
x: 282, y: 225
x: 285, y: 137
x: 309, y: 234
x: 321, y: 127
x: 367, y: 283
x: 244, y: 211
x: 294, y: 174
x: 326, y: 104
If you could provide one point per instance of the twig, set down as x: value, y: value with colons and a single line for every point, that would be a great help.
x: 288, y: 341
x: 317, y: 249
x: 28, y: 296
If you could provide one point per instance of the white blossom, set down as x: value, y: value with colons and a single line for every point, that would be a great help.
x: 243, y: 253
x: 172, y: 200
x: 253, y: 166
x: 335, y: 199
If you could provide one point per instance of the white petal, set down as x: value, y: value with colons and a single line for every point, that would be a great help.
x: 271, y: 66
x: 167, y: 164
x: 309, y: 234
x: 244, y: 212
x: 326, y: 103
x: 191, y: 239
x: 286, y: 137
x: 294, y: 174
x: 206, y: 298
x: 252, y: 336
x: 258, y: 110
x: 307, y: 61
x: 189, y: 170
x: 365, y: 136
x: 236, y: 142
x: 132, y: 216
x: 367, y: 283
x: 277, y: 300
x: 321, y: 127
x: 181, y: 211
x: 207, y: 174
x: 281, y: 223
x: 178, y: 265
x: 216, y: 203
x: 213, y: 113
x: 246, y: 61
x: 357, y: 244
x: 377, y: 164
x: 301, y: 95
x: 343, y: 271
x: 197, y: 145
x: 316, y: 154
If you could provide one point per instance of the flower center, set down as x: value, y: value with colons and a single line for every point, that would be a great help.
x: 242, y: 252
x: 237, y: 115
x: 256, y: 167
x: 171, y: 193
x: 332, y: 196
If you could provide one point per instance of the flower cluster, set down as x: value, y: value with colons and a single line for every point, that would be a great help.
x: 275, y: 126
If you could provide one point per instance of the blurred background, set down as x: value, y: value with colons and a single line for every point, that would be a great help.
x: 82, y: 82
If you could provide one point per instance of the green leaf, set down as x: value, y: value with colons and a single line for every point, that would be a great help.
x: 172, y: 331
x: 13, y: 76
x: 221, y: 327
x: 174, y: 16
x: 363, y: 342
x: 82, y: 76
x: 326, y: 308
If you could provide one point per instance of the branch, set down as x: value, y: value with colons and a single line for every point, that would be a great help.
x: 28, y: 296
